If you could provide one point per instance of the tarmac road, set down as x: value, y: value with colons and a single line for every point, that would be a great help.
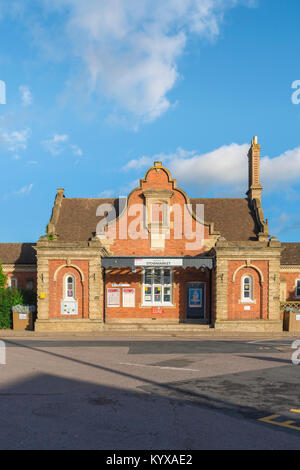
x: 149, y: 393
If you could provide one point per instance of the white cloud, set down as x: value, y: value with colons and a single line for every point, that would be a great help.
x: 224, y: 167
x: 137, y: 164
x: 145, y: 161
x: 130, y: 48
x: 59, y: 143
x: 25, y: 190
x: 283, y: 170
x: 15, y: 141
x: 225, y: 170
x: 76, y: 150
x: 26, y: 95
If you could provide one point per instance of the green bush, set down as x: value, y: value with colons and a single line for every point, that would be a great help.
x: 8, y: 298
x: 3, y: 277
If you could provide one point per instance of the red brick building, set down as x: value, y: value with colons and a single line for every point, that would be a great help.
x: 158, y: 257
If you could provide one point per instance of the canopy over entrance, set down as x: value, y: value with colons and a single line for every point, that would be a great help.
x: 197, y: 262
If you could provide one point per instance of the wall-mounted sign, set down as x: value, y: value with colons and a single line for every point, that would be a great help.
x: 195, y: 298
x: 128, y: 298
x: 247, y: 307
x: 297, y: 317
x: 113, y: 297
x: 158, y: 262
x: 120, y: 285
x: 22, y: 316
x: 157, y: 310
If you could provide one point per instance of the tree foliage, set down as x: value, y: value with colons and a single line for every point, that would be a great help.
x: 3, y: 277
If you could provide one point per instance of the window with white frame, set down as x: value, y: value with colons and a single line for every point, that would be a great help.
x: 70, y: 287
x: 298, y: 288
x: 13, y: 283
x: 247, y: 289
x: 157, y: 287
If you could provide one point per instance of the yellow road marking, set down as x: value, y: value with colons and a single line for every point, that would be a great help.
x: 284, y: 424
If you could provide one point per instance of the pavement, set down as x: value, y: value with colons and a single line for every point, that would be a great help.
x: 120, y: 392
x: 208, y: 334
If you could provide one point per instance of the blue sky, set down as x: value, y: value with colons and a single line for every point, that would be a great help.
x: 96, y: 91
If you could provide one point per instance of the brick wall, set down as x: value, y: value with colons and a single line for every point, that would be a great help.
x: 290, y: 279
x: 142, y: 247
x: 178, y: 312
x: 56, y: 286
x: 258, y: 308
x: 22, y: 278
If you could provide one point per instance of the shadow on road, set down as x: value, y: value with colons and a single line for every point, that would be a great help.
x: 48, y: 411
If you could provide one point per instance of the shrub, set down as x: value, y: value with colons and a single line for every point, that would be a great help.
x: 3, y: 277
x: 8, y: 298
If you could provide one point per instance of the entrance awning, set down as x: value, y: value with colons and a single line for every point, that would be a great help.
x: 197, y: 262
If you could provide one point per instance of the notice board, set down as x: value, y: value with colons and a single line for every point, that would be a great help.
x: 128, y: 298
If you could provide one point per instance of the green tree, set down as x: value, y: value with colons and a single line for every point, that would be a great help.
x: 8, y: 298
x: 3, y: 277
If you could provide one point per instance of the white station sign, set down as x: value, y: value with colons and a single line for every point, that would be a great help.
x: 158, y: 262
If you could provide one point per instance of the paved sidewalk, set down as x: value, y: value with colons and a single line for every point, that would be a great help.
x: 211, y: 334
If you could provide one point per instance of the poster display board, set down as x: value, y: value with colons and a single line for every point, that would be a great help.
x: 129, y: 298
x: 113, y: 297
x: 195, y: 298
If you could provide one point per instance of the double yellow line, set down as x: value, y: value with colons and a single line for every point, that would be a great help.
x: 285, y: 424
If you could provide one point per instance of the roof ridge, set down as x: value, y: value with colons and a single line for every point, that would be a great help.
x: 221, y: 198
x: 87, y: 198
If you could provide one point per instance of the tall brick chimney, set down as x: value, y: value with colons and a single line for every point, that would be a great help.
x: 51, y: 227
x: 255, y: 188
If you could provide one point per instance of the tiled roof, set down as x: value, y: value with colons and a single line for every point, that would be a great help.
x: 77, y: 218
x: 17, y: 253
x: 290, y: 253
x: 232, y: 218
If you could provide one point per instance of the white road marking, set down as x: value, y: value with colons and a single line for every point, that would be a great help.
x: 158, y: 367
x: 263, y: 342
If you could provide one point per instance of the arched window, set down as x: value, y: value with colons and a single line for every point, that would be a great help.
x: 247, y: 289
x: 70, y: 287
